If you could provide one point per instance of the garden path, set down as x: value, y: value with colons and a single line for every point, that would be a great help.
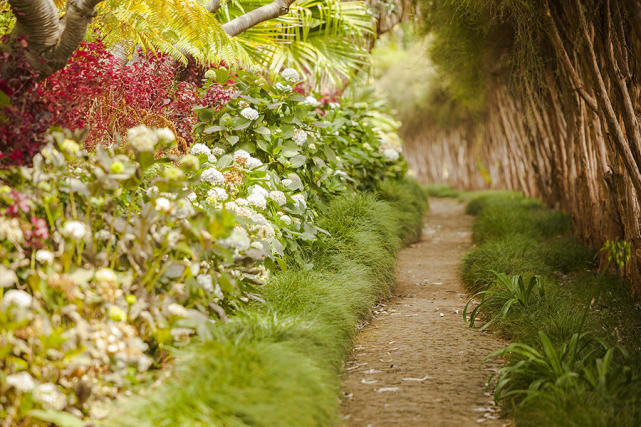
x: 417, y: 363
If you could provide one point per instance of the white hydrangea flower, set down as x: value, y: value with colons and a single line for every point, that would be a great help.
x: 259, y: 219
x: 218, y: 293
x: 191, y: 197
x: 152, y: 191
x: 177, y: 309
x: 75, y: 230
x: 241, y: 201
x: 259, y: 190
x: 282, y: 87
x: 278, y: 197
x: 218, y: 194
x: 7, y: 277
x: 44, y: 256
x: 312, y: 146
x: 217, y: 151
x: 390, y: 154
x: 141, y: 138
x: 238, y: 210
x: 198, y: 149
x: 299, y: 137
x: 257, y: 200
x: 104, y: 235
x: 249, y: 113
x: 50, y: 397
x: 21, y: 381
x: 213, y: 176
x: 241, y: 156
x: 334, y: 105
x: 10, y: 230
x: 165, y: 134
x: 286, y: 219
x: 238, y: 239
x: 184, y: 209
x: 299, y: 200
x: 162, y: 204
x: 290, y: 75
x: 17, y: 298
x: 286, y: 182
x: 206, y: 282
x: 310, y: 100
x: 253, y: 163
x: 106, y: 275
x: 265, y: 232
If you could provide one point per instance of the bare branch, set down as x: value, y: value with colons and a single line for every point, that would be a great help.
x: 565, y: 59
x: 256, y: 16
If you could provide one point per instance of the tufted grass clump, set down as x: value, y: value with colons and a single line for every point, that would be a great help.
x: 575, y: 352
x: 442, y: 191
x: 515, y: 254
x: 278, y: 363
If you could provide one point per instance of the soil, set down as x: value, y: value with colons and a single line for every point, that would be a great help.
x: 417, y: 363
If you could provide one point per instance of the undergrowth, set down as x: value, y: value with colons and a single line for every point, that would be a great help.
x: 442, y: 190
x: 575, y: 354
x: 278, y: 363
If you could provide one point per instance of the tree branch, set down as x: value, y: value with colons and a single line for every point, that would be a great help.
x: 51, y: 41
x: 213, y: 5
x: 75, y: 23
x: 565, y: 59
x: 37, y: 20
x: 256, y: 16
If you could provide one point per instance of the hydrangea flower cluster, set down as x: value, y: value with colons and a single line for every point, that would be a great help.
x: 111, y: 257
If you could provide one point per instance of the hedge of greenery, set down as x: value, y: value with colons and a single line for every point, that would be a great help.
x: 574, y: 356
x: 113, y: 260
x: 278, y: 363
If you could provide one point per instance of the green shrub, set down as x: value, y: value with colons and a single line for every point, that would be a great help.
x: 515, y: 254
x: 565, y: 366
x: 278, y: 363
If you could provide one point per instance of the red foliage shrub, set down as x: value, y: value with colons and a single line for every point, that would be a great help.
x: 95, y: 91
x: 30, y: 110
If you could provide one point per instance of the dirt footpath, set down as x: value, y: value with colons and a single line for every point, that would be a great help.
x: 417, y: 363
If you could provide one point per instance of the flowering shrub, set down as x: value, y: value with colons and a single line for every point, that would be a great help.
x: 98, y: 93
x: 111, y: 258
x: 107, y: 262
x: 320, y: 149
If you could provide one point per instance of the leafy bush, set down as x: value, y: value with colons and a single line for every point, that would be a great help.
x: 326, y: 148
x: 279, y: 363
x: 96, y: 92
x: 113, y: 258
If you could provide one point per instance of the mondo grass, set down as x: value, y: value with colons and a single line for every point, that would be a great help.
x: 575, y: 357
x: 279, y: 363
x: 442, y: 191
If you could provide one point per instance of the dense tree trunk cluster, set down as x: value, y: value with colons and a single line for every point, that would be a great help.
x: 570, y: 134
